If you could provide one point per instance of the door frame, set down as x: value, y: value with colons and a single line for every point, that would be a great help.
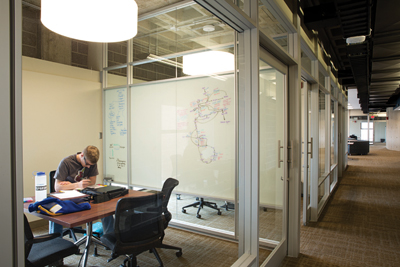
x: 280, y: 251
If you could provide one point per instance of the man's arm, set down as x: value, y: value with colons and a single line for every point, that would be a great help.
x: 66, y: 185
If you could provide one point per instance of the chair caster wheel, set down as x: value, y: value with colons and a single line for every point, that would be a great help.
x: 198, y: 216
x: 219, y: 213
x: 178, y: 254
x: 184, y: 211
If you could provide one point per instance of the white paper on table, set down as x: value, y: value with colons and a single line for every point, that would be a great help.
x: 68, y: 194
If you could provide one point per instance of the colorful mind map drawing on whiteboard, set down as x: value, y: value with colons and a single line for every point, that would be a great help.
x: 212, y: 107
x: 117, y: 114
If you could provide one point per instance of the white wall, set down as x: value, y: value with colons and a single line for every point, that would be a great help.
x: 379, y: 130
x: 393, y: 129
x: 62, y: 114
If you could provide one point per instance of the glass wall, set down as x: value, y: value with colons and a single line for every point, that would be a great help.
x: 333, y: 136
x: 270, y: 26
x: 321, y: 79
x: 183, y: 115
x: 306, y: 62
x: 333, y: 142
x: 272, y: 104
x: 322, y: 135
x: 166, y: 45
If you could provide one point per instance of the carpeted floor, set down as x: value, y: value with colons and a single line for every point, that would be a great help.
x: 361, y: 224
x: 359, y: 227
x: 198, y: 250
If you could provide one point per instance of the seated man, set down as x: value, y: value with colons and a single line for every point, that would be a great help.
x: 79, y: 171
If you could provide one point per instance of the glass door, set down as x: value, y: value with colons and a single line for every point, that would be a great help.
x: 273, y: 158
x: 307, y: 147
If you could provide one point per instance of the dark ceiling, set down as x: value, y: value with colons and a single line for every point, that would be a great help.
x: 373, y: 66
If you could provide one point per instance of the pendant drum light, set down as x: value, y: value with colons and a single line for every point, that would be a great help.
x: 91, y: 20
x: 209, y: 62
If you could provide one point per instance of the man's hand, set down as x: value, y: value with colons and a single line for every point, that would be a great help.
x: 84, y: 183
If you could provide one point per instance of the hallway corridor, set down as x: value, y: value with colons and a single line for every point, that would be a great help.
x: 361, y: 224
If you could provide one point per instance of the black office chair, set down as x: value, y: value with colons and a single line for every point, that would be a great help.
x: 167, y: 188
x: 69, y: 231
x: 138, y: 227
x: 46, y: 249
x: 200, y: 202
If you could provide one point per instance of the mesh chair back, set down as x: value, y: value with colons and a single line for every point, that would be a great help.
x: 28, y: 236
x: 138, y: 220
x: 52, y: 181
x: 167, y: 188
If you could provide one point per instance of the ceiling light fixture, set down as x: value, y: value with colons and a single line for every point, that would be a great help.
x: 91, y: 20
x: 209, y: 62
x: 355, y: 40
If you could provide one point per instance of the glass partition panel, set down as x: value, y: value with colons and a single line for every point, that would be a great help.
x: 271, y: 139
x: 270, y: 26
x: 332, y: 178
x: 333, y: 136
x: 185, y: 41
x: 183, y: 119
x: 322, y: 140
x: 191, y: 137
x: 306, y: 62
x: 322, y: 191
x: 309, y: 155
x: 322, y: 79
x: 117, y: 53
x: 115, y: 136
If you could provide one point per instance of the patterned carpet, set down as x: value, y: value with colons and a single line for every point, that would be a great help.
x: 198, y: 250
x: 359, y: 227
x: 361, y: 224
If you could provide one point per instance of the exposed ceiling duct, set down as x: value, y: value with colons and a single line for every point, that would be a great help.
x: 372, y: 65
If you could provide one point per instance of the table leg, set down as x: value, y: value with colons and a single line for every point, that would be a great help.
x: 88, y: 240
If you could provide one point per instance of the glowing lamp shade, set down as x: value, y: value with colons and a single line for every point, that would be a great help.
x: 208, y: 62
x: 91, y: 20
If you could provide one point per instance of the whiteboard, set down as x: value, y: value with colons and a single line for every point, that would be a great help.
x: 116, y: 138
x: 185, y: 129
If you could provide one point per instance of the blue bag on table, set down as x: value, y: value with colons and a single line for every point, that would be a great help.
x: 55, y: 206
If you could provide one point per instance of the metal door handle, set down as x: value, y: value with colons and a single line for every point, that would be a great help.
x: 279, y: 153
x: 311, y: 150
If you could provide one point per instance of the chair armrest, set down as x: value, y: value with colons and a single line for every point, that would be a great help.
x: 43, y: 238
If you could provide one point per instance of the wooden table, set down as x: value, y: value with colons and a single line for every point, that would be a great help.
x: 87, y: 217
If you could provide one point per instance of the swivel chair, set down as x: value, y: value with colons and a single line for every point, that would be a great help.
x: 46, y: 249
x: 138, y: 227
x: 201, y: 203
x: 167, y: 188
